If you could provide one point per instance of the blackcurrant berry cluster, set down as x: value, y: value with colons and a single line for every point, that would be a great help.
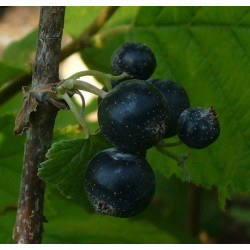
x: 132, y: 116
x: 136, y: 114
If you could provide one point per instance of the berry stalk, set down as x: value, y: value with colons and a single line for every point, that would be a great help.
x: 72, y: 84
x: 180, y: 159
x: 105, y: 77
x: 72, y: 106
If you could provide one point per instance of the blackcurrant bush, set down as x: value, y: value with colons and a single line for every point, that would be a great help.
x: 198, y: 127
x: 133, y: 115
x: 177, y: 99
x: 135, y: 59
x: 119, y: 184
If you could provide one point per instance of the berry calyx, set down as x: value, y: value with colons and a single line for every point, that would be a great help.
x: 133, y: 116
x: 135, y: 59
x: 119, y: 184
x: 198, y: 127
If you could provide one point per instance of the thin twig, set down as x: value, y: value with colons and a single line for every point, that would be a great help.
x: 82, y: 41
x: 8, y: 208
x: 29, y: 219
x: 14, y: 86
x: 180, y: 159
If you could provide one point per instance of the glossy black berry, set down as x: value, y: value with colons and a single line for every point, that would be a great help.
x: 198, y: 127
x: 177, y: 100
x: 133, y: 115
x: 119, y: 184
x: 135, y: 59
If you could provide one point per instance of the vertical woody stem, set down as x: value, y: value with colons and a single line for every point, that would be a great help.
x: 29, y: 219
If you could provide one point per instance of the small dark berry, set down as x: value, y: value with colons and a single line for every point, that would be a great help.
x: 177, y: 100
x: 198, y: 127
x: 119, y: 184
x: 135, y: 59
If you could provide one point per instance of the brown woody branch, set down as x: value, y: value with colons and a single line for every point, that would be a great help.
x: 14, y: 86
x: 29, y: 219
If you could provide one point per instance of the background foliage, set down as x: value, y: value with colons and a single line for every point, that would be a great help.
x: 206, y: 50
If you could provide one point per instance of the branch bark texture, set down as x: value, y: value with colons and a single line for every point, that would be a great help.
x: 29, y: 219
x: 83, y: 40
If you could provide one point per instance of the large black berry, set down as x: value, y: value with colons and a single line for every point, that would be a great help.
x: 133, y: 115
x: 177, y: 100
x: 198, y: 127
x: 135, y: 59
x: 119, y: 184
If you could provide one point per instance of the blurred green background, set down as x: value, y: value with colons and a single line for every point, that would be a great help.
x: 206, y: 50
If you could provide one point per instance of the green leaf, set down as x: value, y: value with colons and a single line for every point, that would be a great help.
x: 240, y: 214
x: 69, y: 132
x: 8, y: 72
x: 105, y: 230
x: 206, y: 50
x: 148, y: 14
x: 77, y: 18
x: 11, y: 153
x: 67, y: 161
x: 94, y: 228
x: 19, y: 53
x: 122, y: 17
